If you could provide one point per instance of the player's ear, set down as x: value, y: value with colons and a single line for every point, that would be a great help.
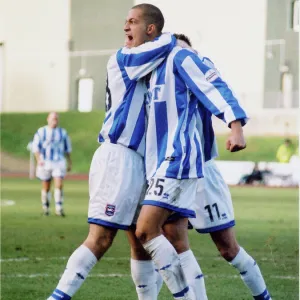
x: 150, y: 29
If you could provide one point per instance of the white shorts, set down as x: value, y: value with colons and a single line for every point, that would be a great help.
x: 51, y: 169
x: 213, y: 205
x: 116, y: 180
x: 173, y: 194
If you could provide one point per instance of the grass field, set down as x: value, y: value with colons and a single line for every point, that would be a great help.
x: 18, y: 129
x: 35, y: 248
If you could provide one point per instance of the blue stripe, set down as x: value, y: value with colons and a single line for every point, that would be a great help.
x: 139, y: 130
x: 60, y: 295
x: 100, y: 138
x: 192, y: 107
x: 161, y: 118
x: 107, y: 117
x: 208, y: 131
x: 178, y: 60
x: 199, y: 276
x: 187, y: 213
x: 264, y: 296
x: 198, y: 160
x: 165, y: 267
x: 44, y: 139
x: 227, y: 95
x: 107, y: 224
x: 217, y: 228
x: 243, y: 273
x: 182, y: 293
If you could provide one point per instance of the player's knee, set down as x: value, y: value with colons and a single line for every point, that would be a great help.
x: 101, y: 242
x: 145, y: 234
x: 229, y: 252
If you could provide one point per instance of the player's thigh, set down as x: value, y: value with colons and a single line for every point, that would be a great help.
x: 58, y: 170
x: 43, y: 173
x: 151, y: 219
x: 213, y: 205
x: 116, y: 181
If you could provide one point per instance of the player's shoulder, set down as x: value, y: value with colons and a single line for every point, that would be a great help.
x: 181, y: 54
x: 41, y: 129
x: 62, y: 130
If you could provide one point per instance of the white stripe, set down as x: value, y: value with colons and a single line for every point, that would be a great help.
x: 136, y: 104
x: 207, y: 88
x: 165, y: 39
x: 140, y: 71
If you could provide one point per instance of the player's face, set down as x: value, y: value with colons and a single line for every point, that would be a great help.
x: 135, y: 29
x: 52, y: 120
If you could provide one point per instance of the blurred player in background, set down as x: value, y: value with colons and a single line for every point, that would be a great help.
x: 51, y: 146
x: 117, y: 174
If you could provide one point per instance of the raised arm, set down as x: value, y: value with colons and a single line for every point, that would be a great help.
x: 206, y: 84
x: 139, y: 61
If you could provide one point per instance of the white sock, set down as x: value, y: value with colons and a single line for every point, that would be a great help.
x: 144, y: 277
x: 78, y: 267
x: 45, y: 198
x: 251, y: 275
x: 193, y: 274
x: 167, y: 262
x: 58, y: 197
x: 159, y: 279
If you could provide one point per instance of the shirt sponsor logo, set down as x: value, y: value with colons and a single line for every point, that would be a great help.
x: 211, y: 75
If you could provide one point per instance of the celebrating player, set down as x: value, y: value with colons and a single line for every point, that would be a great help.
x: 117, y: 173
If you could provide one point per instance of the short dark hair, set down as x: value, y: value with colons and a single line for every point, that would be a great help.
x: 183, y: 37
x: 152, y: 15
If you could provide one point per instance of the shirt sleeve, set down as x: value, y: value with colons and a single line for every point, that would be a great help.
x: 67, y: 143
x: 207, y: 85
x: 36, y: 143
x: 140, y: 61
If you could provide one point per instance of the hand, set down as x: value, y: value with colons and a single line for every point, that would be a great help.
x: 236, y: 140
x: 41, y: 162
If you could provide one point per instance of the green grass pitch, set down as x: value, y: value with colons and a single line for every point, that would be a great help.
x: 35, y: 249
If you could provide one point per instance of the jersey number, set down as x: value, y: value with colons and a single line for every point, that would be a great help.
x: 157, y: 188
x: 208, y: 208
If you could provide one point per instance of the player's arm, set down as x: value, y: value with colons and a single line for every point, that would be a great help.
x: 37, y: 147
x: 209, y: 88
x: 215, y: 95
x: 140, y: 61
x: 68, y: 150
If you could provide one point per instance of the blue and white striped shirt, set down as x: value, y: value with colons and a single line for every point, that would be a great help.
x: 51, y: 143
x: 173, y: 143
x: 125, y: 119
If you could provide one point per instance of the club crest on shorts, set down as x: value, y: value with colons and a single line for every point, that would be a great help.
x: 110, y: 210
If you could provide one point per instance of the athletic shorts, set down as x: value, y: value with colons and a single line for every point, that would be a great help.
x: 173, y: 194
x: 213, y: 205
x: 116, y: 181
x: 51, y: 169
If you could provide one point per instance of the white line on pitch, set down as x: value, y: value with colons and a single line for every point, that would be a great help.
x: 127, y: 258
x: 288, y: 277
